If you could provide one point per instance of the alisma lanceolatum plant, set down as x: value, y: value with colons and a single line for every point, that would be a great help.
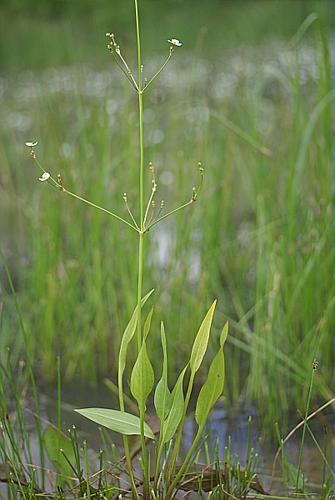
x: 161, y: 479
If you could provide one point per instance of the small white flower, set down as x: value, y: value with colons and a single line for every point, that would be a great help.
x: 44, y: 177
x: 176, y: 42
x: 31, y: 144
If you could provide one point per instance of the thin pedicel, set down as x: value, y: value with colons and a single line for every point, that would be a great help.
x: 57, y: 182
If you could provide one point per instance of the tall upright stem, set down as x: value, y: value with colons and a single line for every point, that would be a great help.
x: 139, y: 289
x: 141, y: 178
x: 140, y: 240
x: 126, y: 444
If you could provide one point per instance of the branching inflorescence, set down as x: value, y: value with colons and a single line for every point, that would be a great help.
x: 152, y: 216
x: 153, y: 211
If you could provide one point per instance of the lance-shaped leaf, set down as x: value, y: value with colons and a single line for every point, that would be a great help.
x: 118, y: 421
x: 170, y: 425
x: 147, y: 323
x: 128, y: 335
x: 60, y: 451
x: 163, y: 398
x: 201, y: 341
x: 142, y: 377
x: 213, y: 387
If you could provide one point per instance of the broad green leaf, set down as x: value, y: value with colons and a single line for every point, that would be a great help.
x: 170, y: 425
x: 201, y: 341
x: 147, y: 323
x: 128, y: 335
x: 163, y: 398
x: 211, y: 390
x: 142, y: 377
x: 55, y: 441
x: 213, y: 387
x: 118, y: 421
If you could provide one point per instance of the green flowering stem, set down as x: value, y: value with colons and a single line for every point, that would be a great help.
x: 172, y: 212
x: 141, y: 237
x: 126, y: 446
x: 195, y: 193
x: 159, y: 71
x: 121, y: 219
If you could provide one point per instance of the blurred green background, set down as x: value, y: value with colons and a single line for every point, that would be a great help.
x: 40, y: 33
x: 250, y: 95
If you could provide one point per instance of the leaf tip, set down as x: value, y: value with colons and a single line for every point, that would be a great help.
x: 224, y: 334
x: 80, y: 410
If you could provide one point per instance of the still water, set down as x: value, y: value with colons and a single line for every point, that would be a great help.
x: 225, y: 426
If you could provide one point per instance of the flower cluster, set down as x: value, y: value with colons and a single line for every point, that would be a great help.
x: 175, y: 42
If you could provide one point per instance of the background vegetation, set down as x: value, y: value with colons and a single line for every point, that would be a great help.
x: 250, y: 95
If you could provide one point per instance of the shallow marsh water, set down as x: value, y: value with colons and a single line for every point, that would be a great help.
x: 223, y: 425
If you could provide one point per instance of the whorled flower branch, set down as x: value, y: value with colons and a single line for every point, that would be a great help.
x: 149, y: 220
